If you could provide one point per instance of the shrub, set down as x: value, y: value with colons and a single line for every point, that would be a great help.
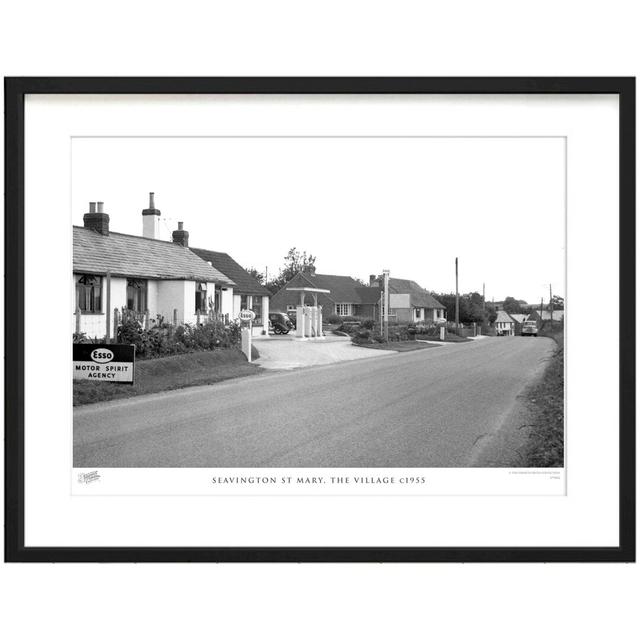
x: 348, y: 327
x: 401, y: 333
x: 333, y: 319
x: 363, y: 336
x: 165, y: 339
x: 367, y: 324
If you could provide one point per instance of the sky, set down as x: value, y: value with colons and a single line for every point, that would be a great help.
x: 360, y: 205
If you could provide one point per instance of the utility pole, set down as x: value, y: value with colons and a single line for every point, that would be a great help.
x: 457, y: 299
x: 483, y: 300
x: 551, y: 303
x: 385, y: 272
x: 541, y: 305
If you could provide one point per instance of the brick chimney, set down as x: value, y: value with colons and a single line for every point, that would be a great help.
x: 97, y: 219
x: 151, y: 219
x: 180, y: 236
x: 373, y: 281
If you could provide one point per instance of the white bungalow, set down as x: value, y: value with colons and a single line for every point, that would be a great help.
x: 149, y: 277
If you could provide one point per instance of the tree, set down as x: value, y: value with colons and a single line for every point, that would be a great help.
x: 511, y: 305
x: 491, y: 313
x: 558, y: 302
x: 470, y: 307
x: 254, y: 273
x: 294, y: 262
x: 474, y: 308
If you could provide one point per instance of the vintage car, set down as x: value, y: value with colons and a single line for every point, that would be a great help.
x: 530, y: 328
x: 280, y: 322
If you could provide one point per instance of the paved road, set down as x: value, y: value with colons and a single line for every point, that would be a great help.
x: 429, y: 408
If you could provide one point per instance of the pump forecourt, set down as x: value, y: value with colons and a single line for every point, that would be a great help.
x: 104, y: 362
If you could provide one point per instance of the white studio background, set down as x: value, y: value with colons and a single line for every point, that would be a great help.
x: 332, y: 38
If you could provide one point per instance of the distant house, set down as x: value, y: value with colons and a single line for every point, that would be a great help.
x: 519, y: 320
x: 146, y: 276
x: 504, y: 324
x: 346, y: 297
x: 246, y: 292
x: 408, y: 301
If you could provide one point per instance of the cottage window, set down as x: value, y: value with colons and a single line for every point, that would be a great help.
x: 89, y: 293
x: 244, y: 302
x: 343, y: 309
x: 136, y: 295
x: 201, y: 297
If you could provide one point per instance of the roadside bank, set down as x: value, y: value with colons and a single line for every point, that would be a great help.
x: 173, y: 372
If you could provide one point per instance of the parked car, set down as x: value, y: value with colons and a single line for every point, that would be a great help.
x: 529, y: 328
x: 293, y: 317
x: 280, y: 322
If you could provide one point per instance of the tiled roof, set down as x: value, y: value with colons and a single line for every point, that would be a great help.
x: 135, y: 256
x: 503, y: 316
x: 343, y: 289
x: 419, y: 296
x: 369, y: 295
x: 244, y: 282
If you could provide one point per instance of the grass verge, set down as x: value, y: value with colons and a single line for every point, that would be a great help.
x: 450, y: 337
x: 173, y: 372
x: 545, y: 402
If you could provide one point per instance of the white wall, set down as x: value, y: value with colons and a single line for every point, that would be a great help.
x: 163, y: 296
x: 171, y: 295
x: 189, y: 315
x: 152, y: 298
x: 236, y: 305
x: 226, y: 302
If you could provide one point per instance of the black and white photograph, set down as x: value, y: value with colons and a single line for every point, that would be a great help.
x: 307, y: 302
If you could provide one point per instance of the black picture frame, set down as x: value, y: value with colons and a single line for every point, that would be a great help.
x: 15, y: 91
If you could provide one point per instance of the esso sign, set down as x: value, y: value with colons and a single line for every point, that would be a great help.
x: 247, y: 315
x: 102, y: 355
